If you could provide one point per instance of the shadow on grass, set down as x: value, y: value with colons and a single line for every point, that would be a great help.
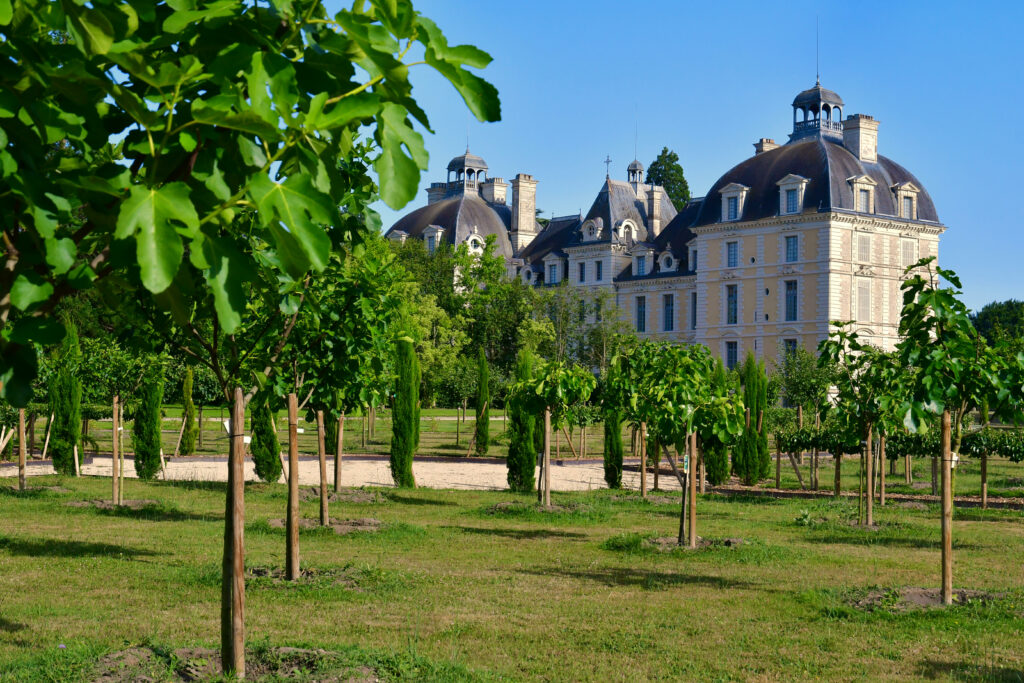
x: 863, y: 537
x: 8, y: 626
x: 518, y: 534
x: 968, y: 671
x: 641, y: 578
x: 988, y: 515
x: 161, y: 512
x: 32, y: 492
x: 751, y: 498
x: 416, y: 500
x: 29, y: 547
x: 219, y: 486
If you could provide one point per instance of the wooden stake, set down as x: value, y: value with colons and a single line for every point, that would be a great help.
x: 869, y: 476
x: 838, y: 459
x: 200, y: 415
x: 692, y: 476
x: 22, y: 449
x: 642, y: 443
x: 120, y: 449
x: 701, y: 474
x: 568, y: 440
x: 292, y: 537
x: 78, y: 466
x: 881, y: 469
x: 338, y: 452
x: 796, y: 468
x: 115, y: 493
x: 232, y: 596
x: 46, y: 441
x: 322, y: 453
x: 908, y: 470
x: 984, y: 481
x: 547, y: 457
x: 778, y: 467
x: 177, y: 444
x: 800, y: 425
x: 947, y: 513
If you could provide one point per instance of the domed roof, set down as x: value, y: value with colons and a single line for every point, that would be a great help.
x: 635, y: 165
x: 460, y: 216
x: 466, y: 160
x: 813, y: 98
x: 828, y: 166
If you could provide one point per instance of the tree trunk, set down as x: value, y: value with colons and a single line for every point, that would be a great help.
x: 701, y: 474
x: 22, y: 449
x: 115, y: 489
x: 232, y: 596
x: 935, y: 476
x: 338, y: 453
x: 800, y: 425
x: 869, y: 476
x: 321, y: 450
x: 984, y: 481
x: 947, y: 513
x: 292, y: 537
x: 838, y: 484
x: 908, y: 470
x: 547, y: 457
x: 881, y: 470
x: 692, y: 477
x: 816, y: 456
x: 32, y: 436
x: 657, y: 468
x: 583, y: 443
x: 120, y: 449
x: 778, y: 467
x: 458, y: 427
x: 373, y: 421
x: 642, y: 445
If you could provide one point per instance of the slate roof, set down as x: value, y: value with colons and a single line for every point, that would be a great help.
x: 467, y: 159
x: 812, y: 97
x: 675, y: 236
x: 827, y: 165
x: 458, y: 216
x: 556, y: 234
x: 616, y: 201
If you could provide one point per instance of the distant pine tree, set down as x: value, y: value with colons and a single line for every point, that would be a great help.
x: 66, y: 404
x: 188, y: 437
x: 266, y: 449
x: 667, y: 172
x: 483, y: 400
x: 403, y: 417
x: 522, y: 454
x: 146, y: 424
x: 613, y: 449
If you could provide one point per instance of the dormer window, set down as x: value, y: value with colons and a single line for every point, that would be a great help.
x: 552, y: 273
x: 668, y: 263
x: 864, y: 201
x: 733, y: 197
x: 432, y: 237
x: 791, y: 193
x: 908, y: 207
x: 431, y: 243
x: 906, y: 200
x: 693, y: 260
x: 591, y: 231
x: 641, y: 265
x: 863, y: 193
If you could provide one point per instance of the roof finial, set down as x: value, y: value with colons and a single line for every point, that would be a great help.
x: 607, y: 166
x: 636, y: 129
x: 817, y: 53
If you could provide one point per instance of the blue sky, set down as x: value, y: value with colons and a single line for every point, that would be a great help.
x: 708, y: 79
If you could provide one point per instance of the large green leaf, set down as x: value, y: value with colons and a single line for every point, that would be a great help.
x: 228, y: 273
x: 29, y: 289
x: 92, y: 31
x: 151, y: 215
x: 401, y: 158
x: 6, y: 12
x: 301, y: 208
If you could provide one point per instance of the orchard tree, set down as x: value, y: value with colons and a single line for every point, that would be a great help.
x: 243, y: 154
x: 956, y: 372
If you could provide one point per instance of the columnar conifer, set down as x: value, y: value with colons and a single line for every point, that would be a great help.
x: 188, y: 437
x: 403, y: 418
x: 146, y: 427
x: 483, y: 399
x: 613, y: 449
x: 751, y: 460
x: 522, y: 454
x: 66, y: 405
x: 266, y: 449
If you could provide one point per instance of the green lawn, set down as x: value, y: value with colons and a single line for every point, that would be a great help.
x: 453, y: 588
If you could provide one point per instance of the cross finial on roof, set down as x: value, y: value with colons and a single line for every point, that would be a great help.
x: 607, y: 166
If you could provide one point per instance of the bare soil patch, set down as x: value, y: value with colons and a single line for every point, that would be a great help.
x: 340, y: 526
x: 906, y: 599
x: 344, y: 496
x: 669, y: 543
x: 913, y: 505
x: 921, y: 486
x: 514, y: 506
x: 108, y: 505
x: 347, y: 576
x: 201, y: 664
x: 656, y: 500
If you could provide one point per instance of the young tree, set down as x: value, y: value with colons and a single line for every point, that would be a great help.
x: 147, y: 422
x: 715, y: 442
x: 266, y: 449
x: 613, y: 449
x: 66, y: 404
x: 667, y: 172
x: 403, y: 417
x: 751, y: 460
x: 188, y: 437
x: 483, y: 400
x: 522, y: 456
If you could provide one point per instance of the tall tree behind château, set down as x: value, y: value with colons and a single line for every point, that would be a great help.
x: 146, y: 426
x: 483, y: 400
x: 188, y: 437
x: 667, y: 172
x: 66, y: 404
x: 522, y: 456
x: 403, y: 418
x: 266, y: 450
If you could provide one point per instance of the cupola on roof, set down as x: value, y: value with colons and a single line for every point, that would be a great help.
x: 814, y: 97
x: 467, y: 160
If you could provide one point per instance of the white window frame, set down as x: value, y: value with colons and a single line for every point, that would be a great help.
x: 731, y: 262
x: 736, y: 317
x: 789, y: 183
x: 796, y: 301
x: 914, y: 251
x: 785, y: 248
x: 859, y: 184
x: 739, y: 193
x: 862, y: 238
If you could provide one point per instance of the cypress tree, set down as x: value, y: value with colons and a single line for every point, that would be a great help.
x: 403, y: 418
x: 146, y: 426
x: 266, y: 450
x: 716, y: 453
x: 66, y: 405
x: 483, y: 399
x: 751, y: 461
x: 521, y: 453
x: 613, y: 449
x: 188, y: 438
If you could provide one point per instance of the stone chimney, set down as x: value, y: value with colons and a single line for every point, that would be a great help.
x: 860, y: 137
x: 524, y: 211
x: 494, y: 190
x: 654, y: 198
x: 764, y: 145
x: 436, y: 192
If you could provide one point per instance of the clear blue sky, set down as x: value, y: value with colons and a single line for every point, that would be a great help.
x: 708, y: 79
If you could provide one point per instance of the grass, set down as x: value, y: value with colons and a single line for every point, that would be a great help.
x: 467, y: 585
